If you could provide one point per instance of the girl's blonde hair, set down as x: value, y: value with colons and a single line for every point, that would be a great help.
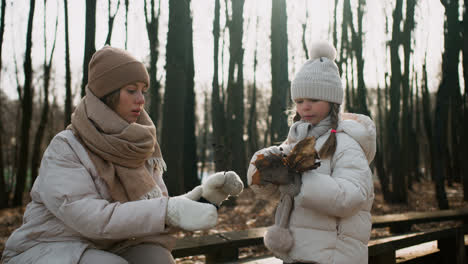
x: 329, y: 147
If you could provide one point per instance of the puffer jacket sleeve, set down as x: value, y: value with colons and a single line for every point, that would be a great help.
x: 68, y: 191
x: 346, y: 191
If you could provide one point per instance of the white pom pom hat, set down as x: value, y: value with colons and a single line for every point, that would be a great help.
x: 319, y: 78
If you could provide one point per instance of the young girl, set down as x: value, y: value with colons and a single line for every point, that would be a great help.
x: 330, y: 220
x: 100, y: 196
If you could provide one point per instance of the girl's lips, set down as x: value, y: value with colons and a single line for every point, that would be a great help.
x: 136, y: 112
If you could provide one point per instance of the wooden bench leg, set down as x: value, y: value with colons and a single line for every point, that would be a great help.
x: 384, y: 258
x: 227, y: 254
x: 452, y: 250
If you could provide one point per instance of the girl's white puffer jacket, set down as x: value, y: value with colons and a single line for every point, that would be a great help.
x: 331, y: 220
x: 71, y: 210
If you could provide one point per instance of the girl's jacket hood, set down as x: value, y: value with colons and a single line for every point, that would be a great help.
x: 362, y: 129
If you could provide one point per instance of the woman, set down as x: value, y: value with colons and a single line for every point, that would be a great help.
x: 100, y: 196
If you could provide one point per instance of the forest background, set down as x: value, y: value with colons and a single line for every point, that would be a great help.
x: 220, y: 76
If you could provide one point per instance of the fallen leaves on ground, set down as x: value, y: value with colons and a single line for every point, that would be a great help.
x: 250, y: 212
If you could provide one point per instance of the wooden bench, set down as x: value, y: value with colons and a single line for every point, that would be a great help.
x: 224, y: 247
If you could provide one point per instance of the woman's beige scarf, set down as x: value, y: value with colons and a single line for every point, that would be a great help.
x: 119, y: 150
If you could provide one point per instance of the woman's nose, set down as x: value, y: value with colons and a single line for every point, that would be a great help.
x: 140, y: 98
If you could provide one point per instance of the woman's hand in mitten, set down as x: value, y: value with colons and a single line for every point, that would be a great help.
x: 190, y: 215
x: 217, y: 187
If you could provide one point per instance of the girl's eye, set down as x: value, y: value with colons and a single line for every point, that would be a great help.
x: 299, y: 101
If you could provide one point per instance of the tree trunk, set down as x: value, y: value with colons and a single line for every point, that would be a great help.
x: 252, y: 123
x: 304, y: 29
x: 427, y: 120
x: 203, y: 133
x: 68, y: 92
x: 90, y: 38
x: 465, y: 107
x: 174, y: 123
x: 3, y: 191
x: 360, y: 105
x: 217, y: 103
x: 110, y: 21
x: 399, y: 179
x: 26, y: 112
x: 379, y: 155
x: 37, y: 146
x: 190, y: 141
x: 406, y: 126
x: 152, y: 28
x: 127, y: 4
x: 279, y: 72
x: 235, y: 89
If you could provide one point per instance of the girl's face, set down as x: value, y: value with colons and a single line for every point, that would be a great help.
x: 131, y: 101
x: 311, y: 110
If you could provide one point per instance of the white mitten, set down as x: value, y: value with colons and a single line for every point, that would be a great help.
x: 217, y: 187
x: 195, y: 194
x: 190, y: 215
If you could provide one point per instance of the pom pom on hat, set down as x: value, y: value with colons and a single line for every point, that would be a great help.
x: 323, y: 49
x: 319, y: 78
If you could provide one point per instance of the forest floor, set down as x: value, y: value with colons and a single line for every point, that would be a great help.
x: 250, y: 212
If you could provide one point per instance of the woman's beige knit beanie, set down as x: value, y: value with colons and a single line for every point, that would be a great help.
x: 112, y: 68
x: 319, y: 78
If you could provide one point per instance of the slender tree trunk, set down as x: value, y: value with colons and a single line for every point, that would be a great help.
x: 235, y: 89
x: 304, y: 29
x: 26, y: 112
x: 110, y: 21
x: 379, y: 156
x: 252, y: 123
x: 398, y: 178
x: 190, y: 141
x: 174, y: 122
x: 127, y: 4
x: 406, y: 151
x: 37, y: 146
x: 465, y: 107
x: 90, y: 38
x: 427, y: 120
x: 152, y: 29
x: 279, y: 72
x: 203, y: 132
x: 68, y: 92
x: 361, y: 94
x: 3, y: 191
x: 217, y: 102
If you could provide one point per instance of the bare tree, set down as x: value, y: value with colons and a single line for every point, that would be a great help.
x: 393, y: 120
x: 26, y: 112
x: 217, y: 103
x: 279, y: 72
x: 90, y: 38
x: 235, y: 91
x: 127, y: 4
x: 447, y: 97
x: 152, y: 29
x: 3, y: 192
x: 68, y: 92
x: 177, y: 79
x: 37, y: 146
x: 110, y: 21
x: 252, y: 129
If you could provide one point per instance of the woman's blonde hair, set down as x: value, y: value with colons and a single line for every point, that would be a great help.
x: 329, y: 147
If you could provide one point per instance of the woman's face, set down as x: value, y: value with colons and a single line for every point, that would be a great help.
x: 131, y: 101
x: 311, y: 110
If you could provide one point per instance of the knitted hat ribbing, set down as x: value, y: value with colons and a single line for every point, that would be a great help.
x: 112, y: 68
x: 318, y: 78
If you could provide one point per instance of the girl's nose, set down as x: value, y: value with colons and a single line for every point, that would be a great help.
x: 140, y: 98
